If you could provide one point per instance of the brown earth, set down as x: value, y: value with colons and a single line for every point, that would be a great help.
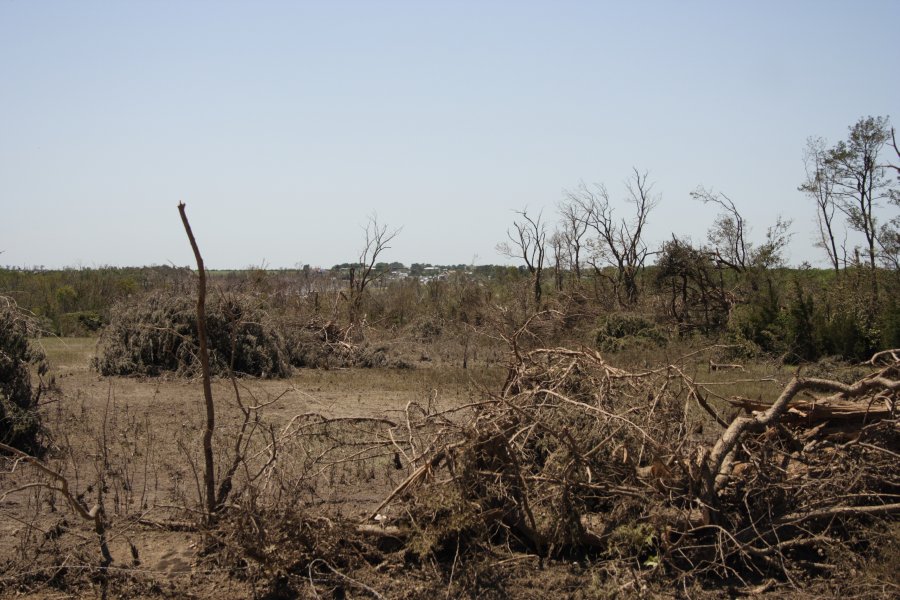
x: 146, y: 431
x: 144, y: 434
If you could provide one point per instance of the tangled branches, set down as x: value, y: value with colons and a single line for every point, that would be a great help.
x: 575, y: 456
x: 158, y: 333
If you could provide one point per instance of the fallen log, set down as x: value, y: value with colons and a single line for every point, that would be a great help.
x: 818, y: 410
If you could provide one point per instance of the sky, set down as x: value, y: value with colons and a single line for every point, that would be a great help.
x: 284, y: 126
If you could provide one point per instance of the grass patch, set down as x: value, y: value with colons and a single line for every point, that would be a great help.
x: 69, y: 352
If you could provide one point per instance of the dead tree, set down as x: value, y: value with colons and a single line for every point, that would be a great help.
x: 618, y: 243
x: 574, y: 228
x: 527, y: 241
x: 558, y: 245
x: 209, y: 473
x: 728, y: 233
x: 95, y: 514
x: 714, y: 366
x: 214, y: 501
x: 728, y: 236
x: 363, y: 273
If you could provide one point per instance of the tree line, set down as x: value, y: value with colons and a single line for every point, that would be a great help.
x: 732, y: 283
x: 595, y: 257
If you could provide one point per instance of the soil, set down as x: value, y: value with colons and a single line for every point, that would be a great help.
x: 146, y: 431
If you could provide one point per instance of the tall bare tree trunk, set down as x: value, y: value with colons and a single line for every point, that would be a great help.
x: 209, y: 474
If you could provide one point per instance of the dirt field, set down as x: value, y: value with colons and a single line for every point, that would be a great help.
x: 146, y: 432
x: 134, y: 445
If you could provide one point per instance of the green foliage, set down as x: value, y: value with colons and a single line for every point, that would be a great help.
x: 634, y: 539
x: 797, y: 314
x: 889, y: 323
x: 847, y: 324
x: 802, y: 340
x: 621, y: 331
x: 819, y: 316
x: 66, y: 296
x: 81, y: 323
x: 55, y: 294
x: 758, y: 319
x: 847, y: 335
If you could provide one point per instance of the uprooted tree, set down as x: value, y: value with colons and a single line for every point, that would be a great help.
x: 697, y: 297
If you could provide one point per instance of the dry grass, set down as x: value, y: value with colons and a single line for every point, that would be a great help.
x: 348, y: 438
x: 68, y: 353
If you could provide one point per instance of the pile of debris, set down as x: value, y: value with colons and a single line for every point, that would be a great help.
x: 157, y: 333
x: 319, y: 344
x: 577, y: 457
x: 19, y: 417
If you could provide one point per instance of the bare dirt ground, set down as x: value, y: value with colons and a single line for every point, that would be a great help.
x: 145, y: 433
x: 135, y: 444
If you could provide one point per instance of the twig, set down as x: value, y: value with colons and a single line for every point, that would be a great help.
x: 342, y: 576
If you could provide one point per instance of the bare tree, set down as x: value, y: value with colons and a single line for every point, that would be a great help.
x: 527, y: 240
x: 728, y: 236
x: 819, y: 185
x: 896, y: 151
x: 619, y: 243
x: 574, y: 228
x: 560, y: 258
x: 363, y: 273
x: 209, y: 473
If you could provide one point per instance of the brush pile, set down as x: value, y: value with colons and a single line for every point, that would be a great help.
x: 577, y: 457
x: 157, y: 333
x: 322, y: 344
x: 19, y: 417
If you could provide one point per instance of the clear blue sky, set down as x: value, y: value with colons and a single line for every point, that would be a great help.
x: 282, y: 125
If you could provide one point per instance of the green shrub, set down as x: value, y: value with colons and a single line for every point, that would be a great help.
x: 81, y: 323
x: 890, y: 323
x: 759, y: 320
x: 620, y: 332
x: 801, y: 334
x: 847, y: 335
